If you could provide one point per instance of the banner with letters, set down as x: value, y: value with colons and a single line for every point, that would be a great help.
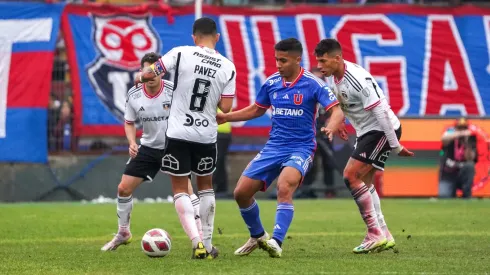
x: 28, y: 36
x: 428, y: 61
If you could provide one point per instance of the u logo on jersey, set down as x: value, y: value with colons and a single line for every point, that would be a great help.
x: 121, y: 42
x: 298, y: 99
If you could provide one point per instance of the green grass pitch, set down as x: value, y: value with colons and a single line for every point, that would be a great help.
x: 433, y: 237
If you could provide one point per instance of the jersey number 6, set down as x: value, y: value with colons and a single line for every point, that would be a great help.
x: 200, y: 93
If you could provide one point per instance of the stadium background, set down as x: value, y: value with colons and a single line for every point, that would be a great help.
x: 61, y: 105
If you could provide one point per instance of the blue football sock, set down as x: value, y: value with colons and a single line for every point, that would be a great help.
x: 284, y: 216
x: 252, y: 218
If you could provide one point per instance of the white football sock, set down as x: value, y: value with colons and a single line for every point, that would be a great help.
x: 195, y: 203
x: 207, y: 211
x: 124, y: 208
x: 184, y: 208
x: 377, y: 206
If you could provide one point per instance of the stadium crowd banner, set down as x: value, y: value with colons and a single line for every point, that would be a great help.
x: 28, y: 36
x: 429, y: 61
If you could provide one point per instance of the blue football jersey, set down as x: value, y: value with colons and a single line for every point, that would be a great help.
x: 294, y: 107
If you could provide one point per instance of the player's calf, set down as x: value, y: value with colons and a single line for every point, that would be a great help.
x: 353, y: 174
x: 287, y: 183
x: 245, y: 191
x: 249, y: 209
x: 125, y: 191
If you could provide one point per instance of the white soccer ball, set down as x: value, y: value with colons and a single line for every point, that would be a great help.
x: 156, y: 243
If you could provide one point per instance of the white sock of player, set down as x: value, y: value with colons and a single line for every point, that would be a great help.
x: 124, y: 208
x: 184, y: 208
x: 366, y: 207
x: 195, y: 203
x: 207, y: 211
x: 377, y: 206
x: 379, y: 213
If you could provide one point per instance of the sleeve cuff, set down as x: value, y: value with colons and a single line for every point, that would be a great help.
x: 331, y: 105
x: 262, y: 106
x: 129, y: 122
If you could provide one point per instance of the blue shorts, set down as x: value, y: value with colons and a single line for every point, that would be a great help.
x: 268, y: 163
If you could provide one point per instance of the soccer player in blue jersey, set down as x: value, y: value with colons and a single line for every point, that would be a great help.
x: 292, y: 93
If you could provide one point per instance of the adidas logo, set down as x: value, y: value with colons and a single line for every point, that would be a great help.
x: 362, y: 155
x: 285, y: 97
x: 277, y: 227
x: 141, y: 109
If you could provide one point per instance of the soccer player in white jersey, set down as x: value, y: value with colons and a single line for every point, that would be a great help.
x: 378, y: 132
x: 203, y: 81
x: 150, y: 103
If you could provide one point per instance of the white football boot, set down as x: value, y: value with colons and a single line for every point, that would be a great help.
x: 251, y: 245
x: 121, y: 238
x: 272, y: 247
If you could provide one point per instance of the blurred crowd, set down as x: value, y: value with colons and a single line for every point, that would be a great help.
x: 60, y: 110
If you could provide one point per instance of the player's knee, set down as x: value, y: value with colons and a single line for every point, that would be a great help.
x: 124, y: 190
x: 238, y: 194
x: 285, y: 189
x: 349, y: 178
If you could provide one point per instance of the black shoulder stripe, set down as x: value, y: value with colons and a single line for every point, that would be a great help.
x: 354, y: 80
x: 176, y: 76
x: 232, y: 76
x: 135, y: 89
x: 352, y: 83
x: 168, y: 85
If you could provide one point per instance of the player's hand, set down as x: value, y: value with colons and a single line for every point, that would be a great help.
x: 343, y: 134
x: 133, y: 150
x: 137, y: 78
x: 328, y: 132
x: 405, y: 153
x: 221, y: 118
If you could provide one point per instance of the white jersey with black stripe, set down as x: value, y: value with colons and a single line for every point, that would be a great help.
x: 202, y: 76
x: 358, y: 93
x: 152, y: 111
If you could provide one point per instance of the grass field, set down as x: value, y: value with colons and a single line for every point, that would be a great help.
x: 433, y: 237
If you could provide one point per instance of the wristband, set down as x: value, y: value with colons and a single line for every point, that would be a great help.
x: 398, y: 149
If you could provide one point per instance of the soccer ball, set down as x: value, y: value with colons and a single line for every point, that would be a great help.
x: 156, y: 243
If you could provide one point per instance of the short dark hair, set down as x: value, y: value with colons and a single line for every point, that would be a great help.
x: 150, y: 58
x: 328, y: 46
x: 289, y: 45
x: 204, y: 26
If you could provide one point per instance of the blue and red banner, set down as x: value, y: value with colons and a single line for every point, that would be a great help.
x: 429, y: 61
x: 28, y: 36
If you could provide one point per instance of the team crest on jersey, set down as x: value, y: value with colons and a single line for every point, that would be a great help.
x: 346, y: 84
x: 166, y: 105
x: 121, y: 42
x: 298, y: 99
x: 344, y: 95
x: 366, y: 92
